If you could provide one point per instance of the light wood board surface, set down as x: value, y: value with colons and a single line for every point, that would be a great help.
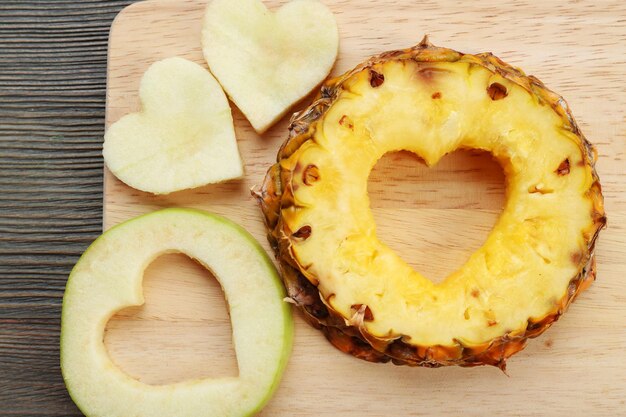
x: 433, y: 217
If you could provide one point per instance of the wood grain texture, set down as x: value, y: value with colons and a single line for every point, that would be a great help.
x: 52, y: 70
x: 53, y: 58
x: 432, y: 217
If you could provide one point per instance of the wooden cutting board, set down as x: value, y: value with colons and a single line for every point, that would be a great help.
x: 433, y: 217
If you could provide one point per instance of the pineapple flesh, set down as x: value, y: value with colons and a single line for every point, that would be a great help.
x: 432, y: 101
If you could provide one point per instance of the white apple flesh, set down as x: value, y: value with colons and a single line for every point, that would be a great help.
x: 108, y: 278
x: 182, y: 138
x: 268, y: 61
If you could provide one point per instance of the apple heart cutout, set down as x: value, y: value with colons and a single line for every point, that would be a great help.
x: 108, y: 278
x: 268, y: 61
x: 182, y: 138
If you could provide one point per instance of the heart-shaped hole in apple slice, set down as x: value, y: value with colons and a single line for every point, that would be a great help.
x: 435, y: 217
x: 183, y: 330
x: 108, y: 279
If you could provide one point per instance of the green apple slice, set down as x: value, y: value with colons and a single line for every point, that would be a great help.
x: 268, y: 61
x: 182, y: 138
x: 108, y: 278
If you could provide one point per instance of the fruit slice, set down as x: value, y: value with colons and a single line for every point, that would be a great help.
x: 108, y: 278
x: 431, y: 101
x: 267, y: 61
x: 182, y: 138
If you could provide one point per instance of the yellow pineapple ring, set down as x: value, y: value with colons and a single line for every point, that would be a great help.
x: 432, y: 101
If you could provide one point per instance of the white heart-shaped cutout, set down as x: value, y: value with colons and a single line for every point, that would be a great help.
x: 268, y: 61
x: 182, y: 138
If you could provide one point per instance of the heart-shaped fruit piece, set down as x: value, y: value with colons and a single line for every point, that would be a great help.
x: 108, y: 278
x: 267, y: 61
x: 182, y: 138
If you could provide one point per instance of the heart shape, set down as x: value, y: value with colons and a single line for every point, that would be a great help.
x: 183, y: 330
x: 182, y: 138
x: 267, y: 61
x: 108, y: 278
x: 463, y: 194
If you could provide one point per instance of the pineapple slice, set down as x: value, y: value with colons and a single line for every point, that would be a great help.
x: 432, y: 101
x: 268, y: 61
x: 182, y: 138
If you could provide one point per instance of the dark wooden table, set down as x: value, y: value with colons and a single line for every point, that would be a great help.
x: 52, y: 96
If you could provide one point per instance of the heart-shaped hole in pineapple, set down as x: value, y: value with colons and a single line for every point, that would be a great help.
x: 435, y: 218
x: 182, y: 332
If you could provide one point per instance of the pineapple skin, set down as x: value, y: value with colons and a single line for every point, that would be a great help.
x: 343, y: 332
